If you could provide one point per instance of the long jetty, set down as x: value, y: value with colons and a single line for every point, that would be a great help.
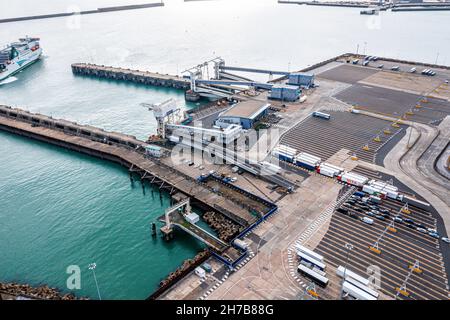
x: 135, y: 76
x: 123, y: 149
x: 345, y: 4
x: 99, y: 10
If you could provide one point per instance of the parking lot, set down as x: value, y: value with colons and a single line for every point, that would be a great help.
x: 348, y: 73
x: 398, y: 250
x: 323, y: 138
x: 378, y: 99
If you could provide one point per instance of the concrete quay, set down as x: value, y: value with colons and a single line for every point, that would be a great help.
x: 135, y: 76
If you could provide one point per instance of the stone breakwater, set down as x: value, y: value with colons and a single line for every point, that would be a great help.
x: 185, y: 267
x: 39, y: 293
x: 225, y: 228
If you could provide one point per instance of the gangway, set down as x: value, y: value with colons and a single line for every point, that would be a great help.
x: 253, y: 70
x: 266, y: 86
x: 230, y: 76
x: 176, y: 216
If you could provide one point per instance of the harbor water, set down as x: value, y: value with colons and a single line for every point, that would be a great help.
x: 59, y: 208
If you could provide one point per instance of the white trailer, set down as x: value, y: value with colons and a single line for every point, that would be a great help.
x: 269, y: 168
x: 286, y: 149
x: 314, y: 276
x: 329, y: 170
x: 384, y: 185
x: 304, y: 257
x: 353, y: 179
x: 310, y: 156
x: 361, y: 286
x: 348, y: 273
x: 356, y: 292
x: 372, y: 190
x: 309, y: 252
x: 333, y: 167
x: 306, y: 161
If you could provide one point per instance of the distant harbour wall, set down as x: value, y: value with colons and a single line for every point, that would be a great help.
x: 99, y: 10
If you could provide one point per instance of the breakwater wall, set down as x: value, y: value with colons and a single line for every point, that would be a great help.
x: 68, y: 14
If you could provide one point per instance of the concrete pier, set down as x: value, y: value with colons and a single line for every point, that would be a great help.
x: 135, y: 76
x: 123, y: 149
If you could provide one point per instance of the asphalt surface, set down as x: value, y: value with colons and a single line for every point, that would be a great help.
x: 398, y: 251
x: 347, y: 73
x: 377, y: 99
x: 323, y: 138
x: 440, y: 226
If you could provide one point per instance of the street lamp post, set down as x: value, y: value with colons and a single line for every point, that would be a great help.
x: 92, y: 267
x: 349, y: 247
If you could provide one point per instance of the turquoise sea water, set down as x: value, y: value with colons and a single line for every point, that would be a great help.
x: 59, y: 208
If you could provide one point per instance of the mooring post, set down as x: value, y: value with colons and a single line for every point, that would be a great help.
x: 153, y: 229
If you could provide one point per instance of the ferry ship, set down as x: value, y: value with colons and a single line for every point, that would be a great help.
x: 19, y: 55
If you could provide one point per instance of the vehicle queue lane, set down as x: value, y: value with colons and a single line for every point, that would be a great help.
x: 390, y: 279
x: 408, y: 254
x: 392, y: 260
x: 413, y: 236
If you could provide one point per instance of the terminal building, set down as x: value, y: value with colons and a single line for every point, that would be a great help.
x: 301, y: 79
x: 244, y: 113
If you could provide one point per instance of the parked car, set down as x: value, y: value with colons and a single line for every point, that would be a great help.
x: 422, y: 230
x: 381, y: 66
x: 397, y: 219
x: 447, y: 240
x: 434, y: 235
